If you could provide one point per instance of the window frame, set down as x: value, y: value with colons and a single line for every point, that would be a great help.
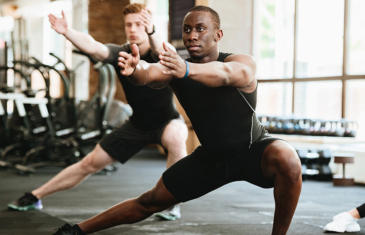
x: 296, y: 79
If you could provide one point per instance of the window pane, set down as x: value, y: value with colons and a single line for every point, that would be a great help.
x: 355, y: 105
x: 273, y: 43
x: 274, y: 99
x: 160, y: 9
x: 321, y: 100
x: 356, y: 46
x: 320, y: 38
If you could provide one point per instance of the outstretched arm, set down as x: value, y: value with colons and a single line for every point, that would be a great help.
x: 82, y: 41
x: 142, y: 72
x: 237, y: 70
x: 153, y: 37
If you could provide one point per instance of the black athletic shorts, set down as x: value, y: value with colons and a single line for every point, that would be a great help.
x: 202, y: 171
x: 122, y: 143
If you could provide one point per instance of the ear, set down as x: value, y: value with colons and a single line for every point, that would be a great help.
x: 218, y: 35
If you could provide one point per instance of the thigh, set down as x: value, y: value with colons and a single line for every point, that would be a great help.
x: 122, y: 143
x: 195, y: 175
x: 253, y: 171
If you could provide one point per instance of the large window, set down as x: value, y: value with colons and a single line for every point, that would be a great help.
x: 280, y: 96
x: 310, y: 58
x: 356, y: 41
x: 274, y: 34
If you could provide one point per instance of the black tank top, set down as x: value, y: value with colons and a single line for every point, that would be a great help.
x: 222, y: 117
x: 152, y: 108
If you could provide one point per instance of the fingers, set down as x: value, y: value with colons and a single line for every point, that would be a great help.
x: 124, y: 63
x: 165, y: 47
x: 172, y: 48
x: 63, y: 14
x: 135, y: 50
x: 51, y: 18
x: 168, y: 57
x: 169, y: 50
x: 145, y: 17
x: 123, y: 66
x: 170, y: 65
x: 146, y: 13
x: 124, y: 55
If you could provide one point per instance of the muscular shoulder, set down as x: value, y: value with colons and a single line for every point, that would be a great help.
x: 247, y: 59
x: 248, y: 65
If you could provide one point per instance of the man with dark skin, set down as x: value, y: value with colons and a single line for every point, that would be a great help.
x: 218, y: 93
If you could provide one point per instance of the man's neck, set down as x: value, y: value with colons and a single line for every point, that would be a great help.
x: 213, y: 56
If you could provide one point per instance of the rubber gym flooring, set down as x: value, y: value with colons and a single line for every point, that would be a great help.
x: 237, y: 208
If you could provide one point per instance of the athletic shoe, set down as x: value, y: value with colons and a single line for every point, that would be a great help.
x: 173, y: 213
x: 68, y: 229
x: 341, y: 223
x: 25, y: 203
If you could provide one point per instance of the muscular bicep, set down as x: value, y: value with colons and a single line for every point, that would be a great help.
x: 242, y: 69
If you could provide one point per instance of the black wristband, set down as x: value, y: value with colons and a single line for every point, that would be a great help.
x: 153, y: 31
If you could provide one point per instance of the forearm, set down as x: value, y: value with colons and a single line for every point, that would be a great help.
x: 87, y: 44
x: 216, y: 74
x: 148, y: 73
x: 155, y: 43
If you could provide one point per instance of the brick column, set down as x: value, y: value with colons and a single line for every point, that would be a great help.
x: 106, y: 26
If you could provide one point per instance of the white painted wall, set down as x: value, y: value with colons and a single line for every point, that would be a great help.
x: 80, y: 23
x: 236, y: 22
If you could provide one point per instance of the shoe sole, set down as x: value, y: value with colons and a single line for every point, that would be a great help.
x: 166, y: 217
x: 24, y: 208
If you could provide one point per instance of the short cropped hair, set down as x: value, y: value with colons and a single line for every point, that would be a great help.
x: 134, y: 8
x: 213, y: 13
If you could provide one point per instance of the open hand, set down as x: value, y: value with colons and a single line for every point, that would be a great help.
x: 175, y: 64
x: 58, y: 24
x: 146, y: 19
x: 128, y: 62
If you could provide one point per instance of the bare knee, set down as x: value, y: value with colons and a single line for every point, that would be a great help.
x: 95, y: 161
x: 174, y: 136
x: 157, y: 199
x: 282, y: 160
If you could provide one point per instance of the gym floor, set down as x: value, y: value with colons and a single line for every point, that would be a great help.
x: 237, y: 208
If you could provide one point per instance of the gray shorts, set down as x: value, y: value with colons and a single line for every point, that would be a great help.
x: 122, y: 143
x: 204, y: 171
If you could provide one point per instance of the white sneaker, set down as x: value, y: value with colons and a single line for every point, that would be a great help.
x: 173, y: 213
x: 341, y: 223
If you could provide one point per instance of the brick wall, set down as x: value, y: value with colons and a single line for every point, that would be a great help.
x: 106, y: 26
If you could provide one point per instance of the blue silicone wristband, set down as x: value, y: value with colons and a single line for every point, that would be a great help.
x: 187, y: 70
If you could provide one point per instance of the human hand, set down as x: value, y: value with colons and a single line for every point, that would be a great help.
x: 128, y: 62
x: 58, y: 24
x: 146, y: 19
x: 173, y: 62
